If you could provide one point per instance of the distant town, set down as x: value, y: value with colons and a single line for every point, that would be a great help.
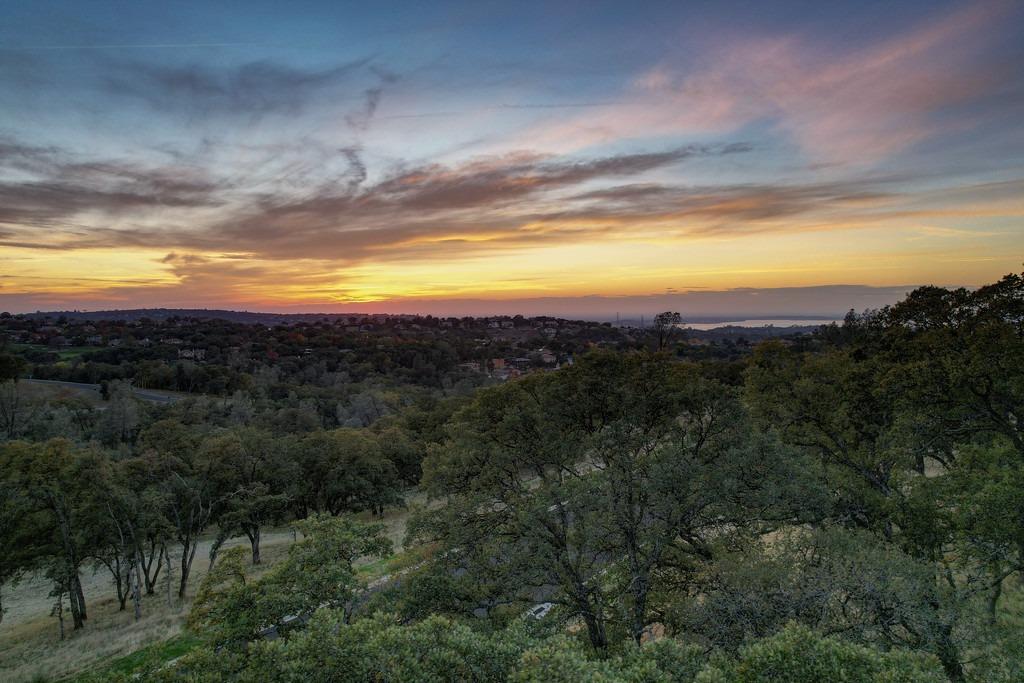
x: 98, y: 346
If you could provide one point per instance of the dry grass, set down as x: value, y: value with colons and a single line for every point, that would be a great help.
x: 30, y: 645
x: 396, y: 519
x: 33, y: 650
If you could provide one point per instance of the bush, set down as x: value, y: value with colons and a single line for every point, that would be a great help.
x: 798, y: 655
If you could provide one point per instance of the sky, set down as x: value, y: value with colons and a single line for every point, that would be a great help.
x: 717, y: 158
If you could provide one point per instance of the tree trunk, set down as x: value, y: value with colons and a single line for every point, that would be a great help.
x: 168, y: 578
x: 215, y: 546
x: 154, y: 565
x: 254, y: 541
x: 81, y: 597
x: 58, y: 609
x: 993, y: 602
x: 75, y: 593
x: 949, y: 656
x: 596, y: 632
x: 188, y: 553
x: 119, y: 580
x: 77, y: 611
x: 592, y: 617
x: 639, y: 617
x: 137, y: 587
x: 122, y: 590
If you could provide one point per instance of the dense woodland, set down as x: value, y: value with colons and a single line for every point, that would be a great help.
x: 629, y: 505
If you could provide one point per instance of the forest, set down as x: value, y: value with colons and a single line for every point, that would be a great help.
x: 845, y: 504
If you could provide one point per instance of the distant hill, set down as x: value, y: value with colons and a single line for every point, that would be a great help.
x: 719, y: 325
x: 250, y: 317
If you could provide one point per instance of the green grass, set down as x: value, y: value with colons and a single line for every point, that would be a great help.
x: 163, y: 651
x: 375, y: 569
x: 63, y: 352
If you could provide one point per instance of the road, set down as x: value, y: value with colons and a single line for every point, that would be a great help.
x: 144, y: 394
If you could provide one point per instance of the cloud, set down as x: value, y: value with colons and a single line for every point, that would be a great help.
x: 509, y: 178
x: 251, y: 90
x: 480, y: 207
x: 410, y: 211
x: 361, y: 120
x: 356, y: 166
x: 49, y: 187
x: 432, y: 207
x: 192, y: 280
x: 733, y: 209
x: 853, y: 105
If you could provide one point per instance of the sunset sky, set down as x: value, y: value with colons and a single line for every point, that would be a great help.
x: 565, y: 157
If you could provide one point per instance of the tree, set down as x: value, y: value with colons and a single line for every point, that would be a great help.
x: 18, y: 407
x: 798, y: 655
x: 186, y: 486
x: 11, y: 367
x: 248, y: 467
x: 594, y: 479
x: 55, y: 479
x: 318, y: 572
x: 344, y: 470
x: 17, y: 531
x: 138, y: 531
x: 666, y: 324
x: 956, y: 353
x: 120, y: 421
x: 913, y: 413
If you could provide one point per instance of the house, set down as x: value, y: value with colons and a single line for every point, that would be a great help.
x: 192, y: 354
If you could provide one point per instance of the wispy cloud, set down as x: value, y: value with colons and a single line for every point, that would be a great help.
x: 485, y: 205
x: 60, y: 188
x: 850, y: 105
x: 250, y: 90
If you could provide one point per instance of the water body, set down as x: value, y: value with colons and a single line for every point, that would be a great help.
x: 766, y: 322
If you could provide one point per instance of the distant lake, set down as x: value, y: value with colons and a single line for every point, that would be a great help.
x: 773, y: 322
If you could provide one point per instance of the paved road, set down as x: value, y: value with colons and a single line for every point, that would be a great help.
x: 144, y: 394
